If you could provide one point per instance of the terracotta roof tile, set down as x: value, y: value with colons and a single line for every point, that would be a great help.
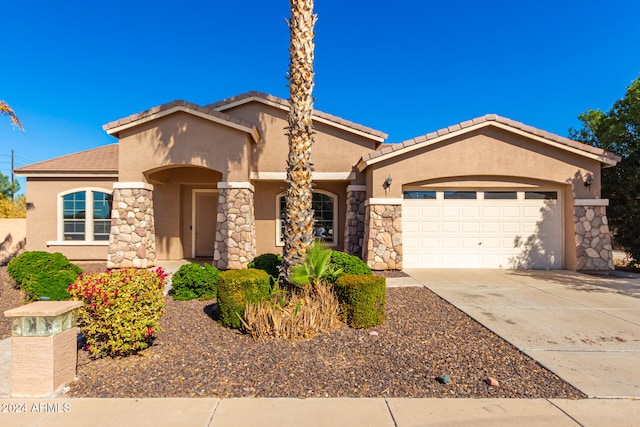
x: 220, y: 105
x: 498, y: 119
x: 97, y: 160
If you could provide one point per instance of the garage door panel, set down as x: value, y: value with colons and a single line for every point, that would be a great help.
x: 450, y: 212
x: 510, y: 227
x: 510, y: 212
x: 470, y: 227
x: 429, y: 227
x: 514, y: 233
x: 450, y: 227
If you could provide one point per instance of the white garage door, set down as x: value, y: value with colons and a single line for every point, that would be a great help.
x: 482, y: 229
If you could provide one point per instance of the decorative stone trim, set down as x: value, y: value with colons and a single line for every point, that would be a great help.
x: 355, y: 221
x: 591, y: 202
x: 246, y: 185
x: 593, y: 238
x: 132, y: 185
x: 383, y: 201
x: 132, y: 242
x: 383, y: 234
x: 235, y: 244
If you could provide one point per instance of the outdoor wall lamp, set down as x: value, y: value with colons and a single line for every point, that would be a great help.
x: 588, y: 181
x: 387, y: 183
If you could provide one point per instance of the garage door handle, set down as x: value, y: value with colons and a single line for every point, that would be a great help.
x: 479, y: 243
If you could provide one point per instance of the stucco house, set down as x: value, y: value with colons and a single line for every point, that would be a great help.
x: 186, y: 181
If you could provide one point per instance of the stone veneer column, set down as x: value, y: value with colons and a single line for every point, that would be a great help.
x: 354, y: 224
x: 593, y: 239
x: 235, y: 244
x: 383, y: 234
x: 132, y: 242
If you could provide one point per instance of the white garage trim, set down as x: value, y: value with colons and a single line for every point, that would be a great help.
x: 511, y: 230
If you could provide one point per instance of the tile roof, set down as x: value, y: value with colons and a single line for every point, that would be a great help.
x: 255, y: 95
x: 486, y: 120
x: 101, y: 160
x: 168, y: 106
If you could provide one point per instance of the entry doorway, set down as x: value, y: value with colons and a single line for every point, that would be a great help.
x: 205, y: 208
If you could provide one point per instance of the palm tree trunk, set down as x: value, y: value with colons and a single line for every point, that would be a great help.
x: 298, y: 234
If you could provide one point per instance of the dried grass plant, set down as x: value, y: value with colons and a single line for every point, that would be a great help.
x: 307, y: 312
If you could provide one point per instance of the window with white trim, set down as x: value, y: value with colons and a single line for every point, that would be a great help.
x: 325, y: 208
x: 86, y: 215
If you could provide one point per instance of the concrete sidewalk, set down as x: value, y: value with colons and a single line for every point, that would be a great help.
x: 317, y: 412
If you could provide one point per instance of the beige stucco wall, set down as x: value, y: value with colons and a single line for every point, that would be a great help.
x: 493, y: 159
x: 13, y: 235
x: 334, y: 150
x: 42, y: 215
x: 183, y: 139
x: 487, y: 158
x: 265, y: 212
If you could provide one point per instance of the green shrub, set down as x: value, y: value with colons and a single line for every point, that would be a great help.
x: 267, y: 262
x: 236, y: 288
x: 122, y: 309
x: 195, y: 281
x: 363, y: 299
x: 316, y: 268
x: 349, y: 264
x: 43, y: 274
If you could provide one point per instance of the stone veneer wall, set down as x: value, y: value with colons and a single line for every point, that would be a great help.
x: 383, y: 233
x: 355, y: 222
x: 235, y: 244
x: 593, y: 239
x: 132, y: 242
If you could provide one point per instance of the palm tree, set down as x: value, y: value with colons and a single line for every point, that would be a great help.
x: 6, y: 110
x: 298, y: 233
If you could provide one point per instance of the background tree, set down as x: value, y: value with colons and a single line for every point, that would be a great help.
x: 6, y: 189
x: 298, y: 232
x: 5, y: 110
x: 618, y: 131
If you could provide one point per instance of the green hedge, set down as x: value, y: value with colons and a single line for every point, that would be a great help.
x: 363, y: 299
x: 267, y: 262
x: 349, y: 264
x: 193, y: 281
x: 236, y: 288
x: 43, y: 274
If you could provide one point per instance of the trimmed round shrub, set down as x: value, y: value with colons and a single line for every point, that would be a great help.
x: 363, y: 299
x: 349, y: 264
x: 236, y: 288
x: 193, y: 281
x: 43, y: 274
x: 267, y: 262
x: 122, y: 309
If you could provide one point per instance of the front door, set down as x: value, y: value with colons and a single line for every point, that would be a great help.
x: 206, y: 204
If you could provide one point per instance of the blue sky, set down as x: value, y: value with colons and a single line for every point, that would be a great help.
x: 405, y: 68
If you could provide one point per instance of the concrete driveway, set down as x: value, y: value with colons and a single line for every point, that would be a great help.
x: 584, y: 328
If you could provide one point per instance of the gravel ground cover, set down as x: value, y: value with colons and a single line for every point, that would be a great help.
x: 422, y: 338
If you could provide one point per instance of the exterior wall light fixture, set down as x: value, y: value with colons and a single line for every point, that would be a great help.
x: 387, y: 183
x: 588, y: 181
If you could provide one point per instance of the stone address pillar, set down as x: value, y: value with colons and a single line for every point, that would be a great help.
x: 383, y: 234
x: 44, y: 345
x: 132, y: 242
x: 593, y: 238
x: 235, y: 244
x: 354, y: 226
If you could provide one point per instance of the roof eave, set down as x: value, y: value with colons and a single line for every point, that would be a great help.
x: 606, y: 159
x: 255, y: 98
x: 115, y: 130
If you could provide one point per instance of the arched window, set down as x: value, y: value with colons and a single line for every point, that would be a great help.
x: 85, y: 215
x: 325, y: 208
